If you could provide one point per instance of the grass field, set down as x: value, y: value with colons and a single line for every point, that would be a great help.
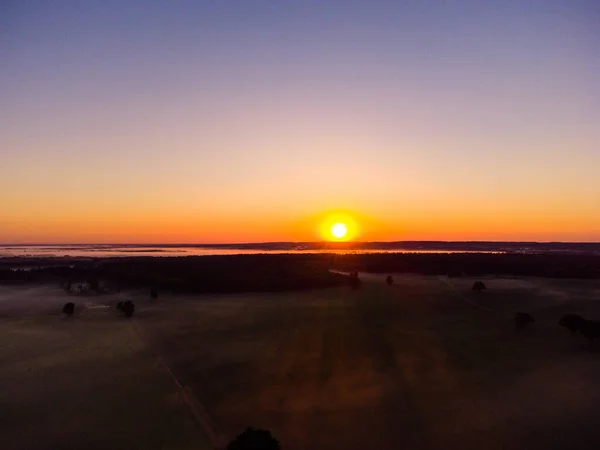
x: 422, y: 364
x: 86, y: 382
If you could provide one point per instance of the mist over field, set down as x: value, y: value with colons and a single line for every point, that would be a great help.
x: 425, y: 361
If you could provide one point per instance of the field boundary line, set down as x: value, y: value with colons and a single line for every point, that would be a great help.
x: 195, y: 407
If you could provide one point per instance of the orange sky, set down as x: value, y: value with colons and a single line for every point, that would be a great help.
x: 144, y: 225
x: 206, y: 123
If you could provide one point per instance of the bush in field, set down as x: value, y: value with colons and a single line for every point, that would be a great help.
x: 389, y: 280
x: 254, y: 439
x: 574, y: 322
x: 478, y: 286
x: 354, y: 280
x: 128, y: 308
x: 154, y: 294
x: 523, y: 320
x: 69, y: 308
x: 120, y: 306
x: 93, y: 285
x: 571, y: 322
x: 590, y: 329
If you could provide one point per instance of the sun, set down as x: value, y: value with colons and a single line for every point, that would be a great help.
x: 338, y: 226
x: 339, y: 230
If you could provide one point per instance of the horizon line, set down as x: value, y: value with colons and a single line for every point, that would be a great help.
x: 200, y: 244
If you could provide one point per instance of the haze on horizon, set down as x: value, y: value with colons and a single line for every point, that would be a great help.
x: 239, y: 121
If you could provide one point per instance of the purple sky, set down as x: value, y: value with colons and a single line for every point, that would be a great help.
x: 216, y: 120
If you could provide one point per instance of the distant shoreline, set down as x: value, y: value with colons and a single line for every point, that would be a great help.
x: 312, y: 244
x: 160, y: 250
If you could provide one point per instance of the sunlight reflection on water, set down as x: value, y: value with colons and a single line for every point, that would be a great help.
x: 114, y: 250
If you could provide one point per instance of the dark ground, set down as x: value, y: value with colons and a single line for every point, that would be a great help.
x: 422, y: 364
x: 283, y: 272
x: 86, y: 382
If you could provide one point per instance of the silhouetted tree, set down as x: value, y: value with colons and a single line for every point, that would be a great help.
x: 128, y: 308
x: 571, y: 322
x: 590, y: 329
x: 355, y: 282
x: 154, y: 294
x: 93, y: 284
x: 69, y: 309
x: 254, y: 439
x: 523, y: 320
x: 478, y: 286
x: 389, y: 280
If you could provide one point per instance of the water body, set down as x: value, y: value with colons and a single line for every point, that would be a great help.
x: 187, y: 250
x: 107, y: 250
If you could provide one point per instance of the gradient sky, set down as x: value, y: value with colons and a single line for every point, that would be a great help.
x: 231, y: 121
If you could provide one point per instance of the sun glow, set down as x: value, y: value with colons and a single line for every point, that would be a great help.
x: 339, y: 230
x: 338, y: 227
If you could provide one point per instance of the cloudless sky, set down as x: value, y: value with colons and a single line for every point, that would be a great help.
x: 232, y: 121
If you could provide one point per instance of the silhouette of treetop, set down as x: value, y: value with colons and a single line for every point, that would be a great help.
x: 254, y: 439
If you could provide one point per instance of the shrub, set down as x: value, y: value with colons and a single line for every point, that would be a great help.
x: 94, y: 285
x: 154, y: 294
x: 69, y: 308
x: 389, y: 280
x: 523, y: 320
x: 590, y: 329
x: 354, y: 280
x: 478, y: 286
x: 128, y: 308
x: 571, y: 322
x: 254, y: 439
x: 120, y: 306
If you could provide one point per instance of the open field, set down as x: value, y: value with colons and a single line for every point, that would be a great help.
x: 416, y: 365
x: 425, y: 363
x: 86, y: 382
